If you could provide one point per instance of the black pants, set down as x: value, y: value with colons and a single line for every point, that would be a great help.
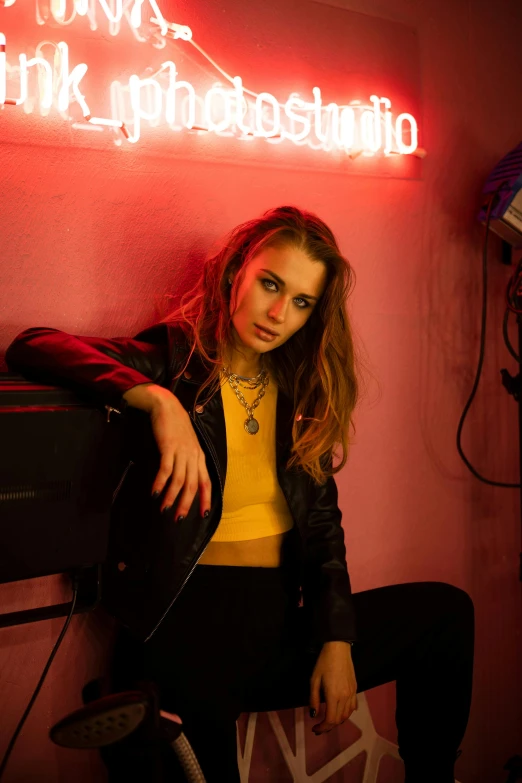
x: 232, y: 643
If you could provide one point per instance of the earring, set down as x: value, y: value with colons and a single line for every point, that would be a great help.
x: 230, y: 281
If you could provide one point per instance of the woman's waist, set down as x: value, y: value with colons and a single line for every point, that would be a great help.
x: 257, y: 552
x: 253, y: 521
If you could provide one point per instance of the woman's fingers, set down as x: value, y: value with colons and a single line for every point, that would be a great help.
x: 349, y: 706
x: 341, y: 705
x: 330, y: 718
x: 164, y: 473
x: 337, y: 711
x: 328, y: 721
x: 183, y: 468
x: 190, y: 487
x: 315, y: 696
x: 187, y: 475
x: 176, y: 482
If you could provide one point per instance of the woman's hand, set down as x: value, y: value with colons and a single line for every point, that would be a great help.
x: 335, y: 675
x: 182, y: 460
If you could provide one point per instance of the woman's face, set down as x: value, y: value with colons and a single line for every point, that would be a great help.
x: 280, y: 288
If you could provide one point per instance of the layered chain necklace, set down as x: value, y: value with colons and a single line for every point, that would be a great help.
x: 238, y: 382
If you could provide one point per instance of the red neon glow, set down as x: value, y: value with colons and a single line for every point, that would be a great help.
x: 3, y: 70
x: 164, y: 98
x: 115, y: 11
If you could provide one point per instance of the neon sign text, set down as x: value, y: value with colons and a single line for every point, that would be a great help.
x: 48, y: 80
x: 64, y: 12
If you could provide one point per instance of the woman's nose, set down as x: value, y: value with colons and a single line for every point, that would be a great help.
x: 277, y: 312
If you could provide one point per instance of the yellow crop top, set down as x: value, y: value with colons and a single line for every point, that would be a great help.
x: 253, y: 503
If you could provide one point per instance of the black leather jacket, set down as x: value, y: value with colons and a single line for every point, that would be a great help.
x: 150, y: 558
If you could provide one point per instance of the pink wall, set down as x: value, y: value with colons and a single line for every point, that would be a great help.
x: 93, y: 235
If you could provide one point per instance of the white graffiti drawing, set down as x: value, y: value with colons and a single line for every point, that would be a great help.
x: 370, y: 742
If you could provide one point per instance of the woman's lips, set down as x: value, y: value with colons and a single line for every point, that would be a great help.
x: 264, y: 335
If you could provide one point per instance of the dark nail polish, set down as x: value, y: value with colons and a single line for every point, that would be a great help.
x: 180, y: 518
x: 155, y: 495
x: 167, y: 508
x: 313, y: 713
x: 206, y: 513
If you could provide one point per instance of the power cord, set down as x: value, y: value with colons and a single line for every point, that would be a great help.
x: 482, y: 349
x: 507, y: 341
x: 75, y: 584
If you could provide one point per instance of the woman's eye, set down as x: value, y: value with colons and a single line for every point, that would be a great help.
x: 270, y: 285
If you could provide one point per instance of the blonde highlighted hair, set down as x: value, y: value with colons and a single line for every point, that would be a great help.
x: 316, y: 367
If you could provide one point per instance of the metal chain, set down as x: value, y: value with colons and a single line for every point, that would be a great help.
x: 239, y: 394
x: 246, y: 383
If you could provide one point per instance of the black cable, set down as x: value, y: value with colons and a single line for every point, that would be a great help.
x: 481, y: 355
x: 507, y: 341
x: 512, y: 300
x: 513, y: 289
x: 33, y: 698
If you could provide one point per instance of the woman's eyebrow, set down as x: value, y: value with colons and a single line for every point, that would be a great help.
x: 283, y: 285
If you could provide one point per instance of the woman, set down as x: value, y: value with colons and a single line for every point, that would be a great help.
x: 246, y: 390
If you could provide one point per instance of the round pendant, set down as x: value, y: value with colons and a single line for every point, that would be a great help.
x: 252, y: 426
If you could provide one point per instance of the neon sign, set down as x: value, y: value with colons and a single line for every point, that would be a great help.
x: 226, y: 108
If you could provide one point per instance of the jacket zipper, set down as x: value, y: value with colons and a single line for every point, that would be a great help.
x: 116, y: 491
x: 214, y: 460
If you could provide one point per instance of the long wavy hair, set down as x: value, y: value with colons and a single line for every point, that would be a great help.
x: 316, y: 367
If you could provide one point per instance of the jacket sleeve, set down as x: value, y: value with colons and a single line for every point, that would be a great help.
x: 326, y: 584
x: 100, y: 368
